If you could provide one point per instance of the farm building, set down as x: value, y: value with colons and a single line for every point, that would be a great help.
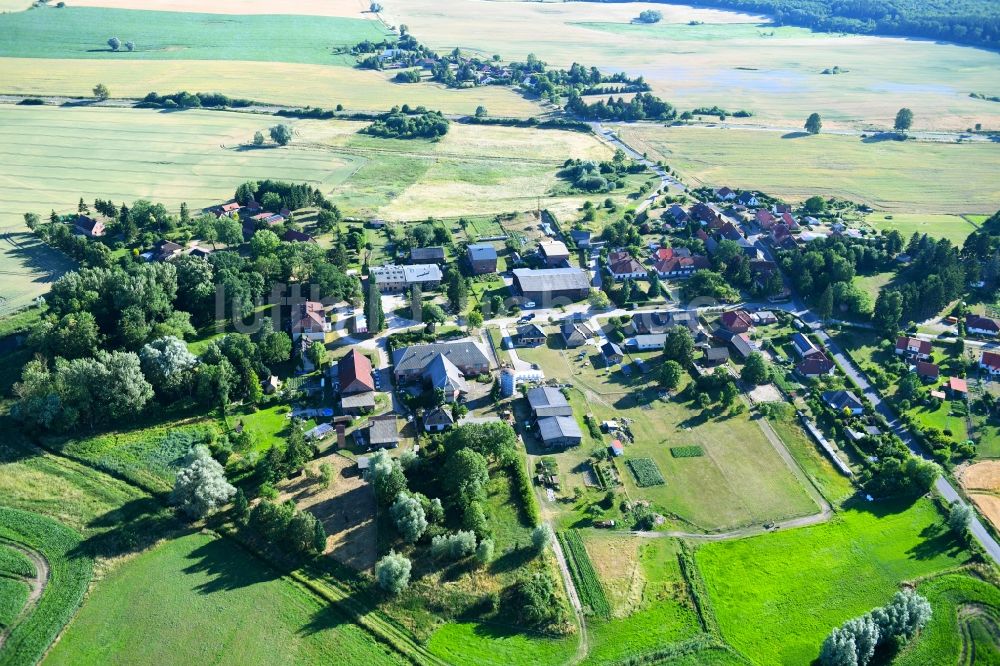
x: 358, y: 403
x: 547, y: 401
x: 383, y: 432
x: 554, y: 253
x: 411, y: 363
x: 427, y: 255
x: 559, y: 431
x: 547, y: 285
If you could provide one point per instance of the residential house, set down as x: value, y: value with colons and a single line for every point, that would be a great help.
x: 575, y: 333
x: 646, y: 342
x: 393, y: 279
x: 763, y: 318
x: 301, y: 347
x: 737, y: 321
x: 927, y: 371
x: 841, y: 400
x: 548, y: 401
x: 747, y: 199
x: 705, y: 213
x: 804, y: 347
x: 743, y: 345
x: 270, y: 385
x: 293, y: 236
x: 581, y: 237
x: 725, y: 194
x: 681, y: 267
x: 715, y: 356
x: 553, y: 252
x: 957, y: 388
x: 623, y: 266
x: 443, y: 375
x: 815, y: 365
x: 427, y: 255
x: 164, y: 250
x: 309, y: 321
x: 612, y: 353
x: 913, y: 348
x: 528, y: 335
x: 438, y: 419
x: 978, y: 325
x: 199, y: 252
x: 559, y: 431
x: 383, y: 432
x: 89, y: 226
x: 547, y: 285
x: 411, y: 363
x: 354, y: 373
x: 764, y: 219
x: 676, y: 215
x: 483, y: 258
x: 990, y: 361
x: 227, y: 209
x: 645, y: 323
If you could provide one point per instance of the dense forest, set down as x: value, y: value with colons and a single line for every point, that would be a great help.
x: 974, y: 22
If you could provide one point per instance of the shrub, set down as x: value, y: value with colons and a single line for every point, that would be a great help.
x: 393, y: 572
x: 453, y: 546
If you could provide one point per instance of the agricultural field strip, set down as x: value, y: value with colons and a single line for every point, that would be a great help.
x: 585, y: 579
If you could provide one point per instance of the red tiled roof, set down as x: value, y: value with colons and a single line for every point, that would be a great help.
x: 905, y: 343
x: 355, y: 373
x: 925, y: 369
x: 990, y: 360
x: 737, y: 320
x: 815, y: 364
x: 958, y: 385
x: 697, y: 262
x: 983, y: 323
x: 310, y: 316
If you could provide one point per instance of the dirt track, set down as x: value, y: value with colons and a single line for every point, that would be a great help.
x: 37, y: 583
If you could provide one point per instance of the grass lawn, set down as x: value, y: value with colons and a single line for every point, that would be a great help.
x: 794, y: 584
x: 872, y: 284
x: 952, y: 227
x: 270, y: 426
x: 940, y: 180
x: 964, y: 621
x: 489, y: 645
x: 82, y: 32
x: 740, y: 480
x: 201, y: 599
x: 663, y: 614
x: 834, y: 486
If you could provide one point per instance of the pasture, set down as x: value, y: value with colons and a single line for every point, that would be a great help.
x: 792, y: 584
x: 953, y: 227
x: 733, y: 60
x: 932, y: 181
x: 740, y: 480
x: 82, y: 33
x: 203, y: 599
x: 344, y: 8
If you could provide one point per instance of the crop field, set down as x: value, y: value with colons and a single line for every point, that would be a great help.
x: 13, y: 595
x: 588, y: 586
x: 345, y: 8
x: 733, y: 60
x: 14, y: 563
x: 646, y: 472
x: 740, y: 480
x: 70, y: 573
x: 27, y: 267
x: 964, y: 622
x: 203, y: 599
x: 931, y: 181
x: 654, y: 607
x: 82, y: 33
x: 148, y: 457
x: 874, y: 546
x: 276, y: 83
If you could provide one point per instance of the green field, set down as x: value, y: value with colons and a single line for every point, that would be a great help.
x: 201, y: 599
x: 932, y: 182
x: 953, y: 227
x: 653, y: 607
x: 82, y: 33
x: 69, y: 575
x: 488, y: 645
x: 13, y: 595
x: 800, y: 584
x: 14, y: 563
x: 964, y: 622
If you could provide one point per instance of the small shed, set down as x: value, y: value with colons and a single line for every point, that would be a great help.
x: 616, y: 449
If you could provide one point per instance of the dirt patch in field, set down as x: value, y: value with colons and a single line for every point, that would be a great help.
x: 342, y: 8
x: 346, y: 509
x: 616, y: 561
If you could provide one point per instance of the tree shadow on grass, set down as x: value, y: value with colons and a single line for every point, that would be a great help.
x: 512, y: 560
x: 227, y: 566
x: 795, y: 135
x: 132, y: 528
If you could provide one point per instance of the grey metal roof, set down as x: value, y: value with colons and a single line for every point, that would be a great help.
x: 548, y: 401
x: 358, y: 400
x: 383, y: 431
x: 482, y: 251
x: 556, y: 427
x: 530, y: 331
x: 417, y: 357
x: 425, y: 253
x: 443, y: 374
x: 551, y: 279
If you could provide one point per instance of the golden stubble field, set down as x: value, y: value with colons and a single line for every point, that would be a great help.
x: 733, y: 60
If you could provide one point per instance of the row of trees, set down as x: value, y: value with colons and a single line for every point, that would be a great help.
x: 420, y: 124
x: 903, y: 121
x: 885, y: 629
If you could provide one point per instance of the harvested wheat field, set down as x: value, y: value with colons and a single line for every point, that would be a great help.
x: 985, y: 478
x: 341, y: 8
